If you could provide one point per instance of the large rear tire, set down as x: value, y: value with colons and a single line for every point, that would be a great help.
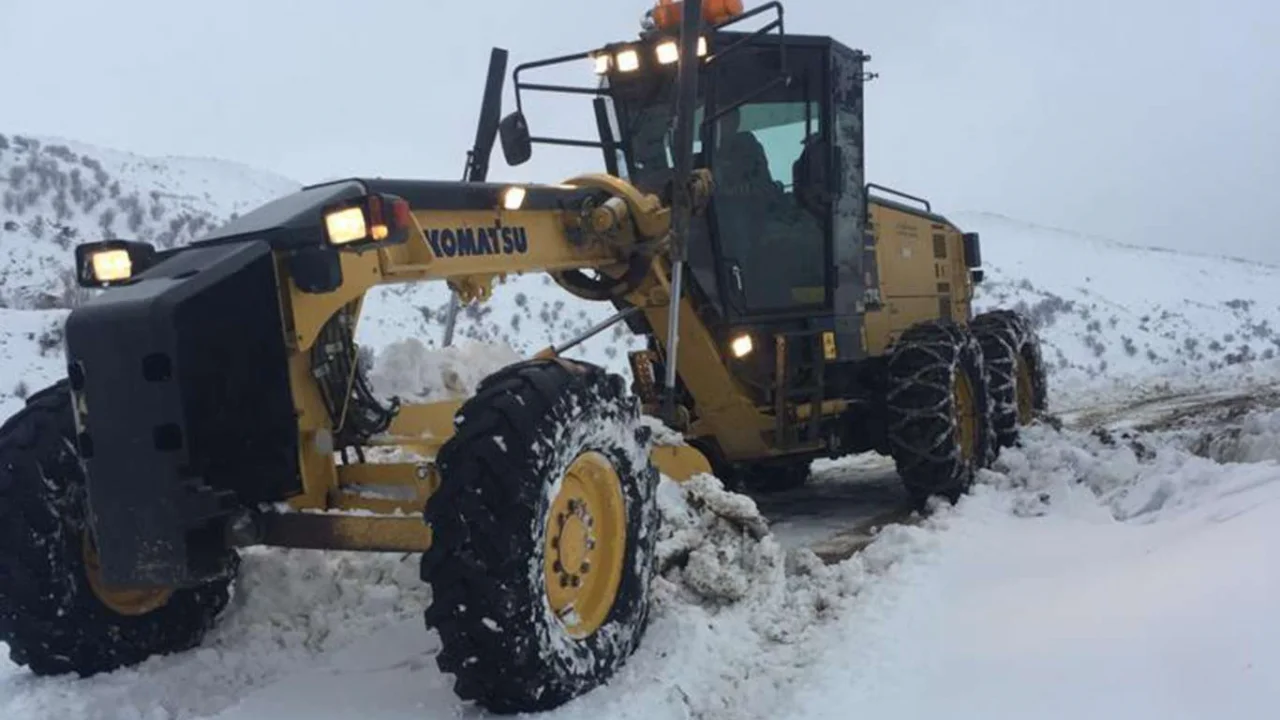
x: 938, y: 410
x: 543, y: 537
x: 1019, y: 388
x: 55, y: 614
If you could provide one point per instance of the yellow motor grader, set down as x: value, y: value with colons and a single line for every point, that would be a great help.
x: 214, y: 400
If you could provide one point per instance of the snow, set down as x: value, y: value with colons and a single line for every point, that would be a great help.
x: 55, y: 193
x: 1113, y: 316
x: 30, y: 354
x: 289, y: 608
x: 1116, y: 567
x: 409, y: 370
x: 1079, y: 582
x: 1116, y: 312
x: 1085, y: 576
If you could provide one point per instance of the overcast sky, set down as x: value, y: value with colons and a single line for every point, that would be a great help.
x: 1155, y: 122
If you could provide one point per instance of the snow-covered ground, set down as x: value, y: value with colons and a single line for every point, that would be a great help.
x: 1078, y: 581
x: 1114, y: 568
x: 1089, y: 574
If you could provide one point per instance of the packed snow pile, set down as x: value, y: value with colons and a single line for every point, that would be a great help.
x: 711, y: 541
x: 1148, y: 477
x: 407, y: 369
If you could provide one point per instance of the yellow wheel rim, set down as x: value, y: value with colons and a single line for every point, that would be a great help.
x: 586, y: 541
x: 1025, y: 390
x: 965, y: 413
x: 124, y: 601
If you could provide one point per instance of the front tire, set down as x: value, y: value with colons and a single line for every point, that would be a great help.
x: 55, y: 615
x: 938, y: 410
x: 544, y: 530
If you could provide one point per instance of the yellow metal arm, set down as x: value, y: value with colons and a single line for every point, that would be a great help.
x: 469, y: 248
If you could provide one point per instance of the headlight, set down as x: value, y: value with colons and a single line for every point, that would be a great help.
x: 99, y: 264
x: 111, y: 265
x: 741, y: 346
x: 371, y: 220
x: 667, y: 52
x: 346, y: 225
x: 628, y: 60
x: 513, y: 198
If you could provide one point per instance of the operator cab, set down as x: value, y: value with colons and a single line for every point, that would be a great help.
x: 783, y: 246
x: 762, y: 250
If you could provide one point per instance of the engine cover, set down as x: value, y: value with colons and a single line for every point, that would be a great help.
x: 184, y: 411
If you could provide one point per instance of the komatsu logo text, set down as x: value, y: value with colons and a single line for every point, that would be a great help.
x: 466, y: 242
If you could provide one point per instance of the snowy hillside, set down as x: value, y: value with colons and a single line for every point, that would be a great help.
x: 55, y: 193
x: 1107, y: 308
x: 1110, y: 314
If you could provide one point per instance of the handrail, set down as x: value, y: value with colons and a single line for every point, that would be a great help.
x: 927, y: 207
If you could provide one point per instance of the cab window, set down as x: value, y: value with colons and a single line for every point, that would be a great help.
x: 772, y: 245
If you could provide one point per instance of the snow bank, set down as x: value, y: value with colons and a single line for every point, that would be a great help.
x: 1086, y: 576
x: 1255, y: 440
x: 1141, y: 477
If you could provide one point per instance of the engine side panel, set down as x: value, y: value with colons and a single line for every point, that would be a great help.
x: 923, y: 273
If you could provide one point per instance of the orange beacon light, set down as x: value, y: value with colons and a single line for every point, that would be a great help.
x: 666, y: 14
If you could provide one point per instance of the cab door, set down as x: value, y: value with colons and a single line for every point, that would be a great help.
x: 773, y: 248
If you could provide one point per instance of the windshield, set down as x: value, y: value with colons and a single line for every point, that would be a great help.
x: 642, y: 115
x: 770, y: 249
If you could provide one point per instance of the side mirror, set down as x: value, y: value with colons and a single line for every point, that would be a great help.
x: 972, y: 249
x: 517, y: 147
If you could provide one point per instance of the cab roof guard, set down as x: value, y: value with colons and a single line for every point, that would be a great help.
x: 607, y: 143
